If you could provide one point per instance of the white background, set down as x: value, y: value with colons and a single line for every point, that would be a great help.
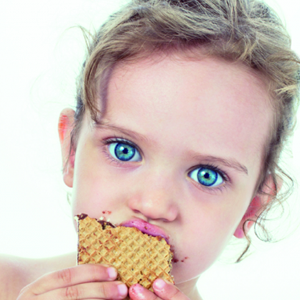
x: 40, y: 59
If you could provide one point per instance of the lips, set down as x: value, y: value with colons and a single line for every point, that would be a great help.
x: 146, y: 227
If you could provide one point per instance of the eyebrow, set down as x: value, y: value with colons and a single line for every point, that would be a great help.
x: 229, y: 162
x: 105, y: 124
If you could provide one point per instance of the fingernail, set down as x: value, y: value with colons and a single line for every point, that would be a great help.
x: 122, y: 289
x: 159, y: 284
x: 137, y: 289
x: 112, y: 273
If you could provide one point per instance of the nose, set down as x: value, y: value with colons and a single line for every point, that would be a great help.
x: 155, y: 197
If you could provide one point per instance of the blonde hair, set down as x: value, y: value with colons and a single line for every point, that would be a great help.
x: 237, y: 30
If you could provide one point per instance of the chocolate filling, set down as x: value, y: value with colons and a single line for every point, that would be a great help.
x: 82, y: 216
x: 105, y: 223
x: 102, y: 222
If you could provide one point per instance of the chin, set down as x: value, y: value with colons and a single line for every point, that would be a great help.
x: 182, y: 273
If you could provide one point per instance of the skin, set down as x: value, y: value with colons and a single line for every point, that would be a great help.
x: 182, y: 112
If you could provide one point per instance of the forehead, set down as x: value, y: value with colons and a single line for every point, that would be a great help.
x: 175, y: 72
x: 206, y: 101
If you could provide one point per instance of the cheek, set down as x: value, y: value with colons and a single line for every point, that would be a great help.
x: 207, y: 231
x: 222, y: 219
x: 87, y: 185
x: 94, y: 189
x: 200, y: 245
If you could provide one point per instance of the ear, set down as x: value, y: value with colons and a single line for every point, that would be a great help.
x: 257, y: 205
x: 65, y: 127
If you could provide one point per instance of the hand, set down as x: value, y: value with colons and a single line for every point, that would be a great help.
x: 162, y: 290
x: 80, y: 282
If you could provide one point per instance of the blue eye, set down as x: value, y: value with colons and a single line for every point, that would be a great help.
x: 124, y: 152
x: 207, y: 176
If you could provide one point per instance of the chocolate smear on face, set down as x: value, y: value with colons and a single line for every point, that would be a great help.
x: 174, y: 259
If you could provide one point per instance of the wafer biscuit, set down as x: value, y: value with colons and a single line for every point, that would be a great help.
x: 138, y: 257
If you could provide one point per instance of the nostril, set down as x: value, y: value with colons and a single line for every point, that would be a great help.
x: 153, y: 207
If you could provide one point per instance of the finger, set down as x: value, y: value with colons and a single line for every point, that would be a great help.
x: 137, y: 292
x: 92, y: 290
x: 165, y: 290
x: 69, y: 277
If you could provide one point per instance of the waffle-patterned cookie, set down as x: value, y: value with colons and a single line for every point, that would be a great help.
x: 138, y: 257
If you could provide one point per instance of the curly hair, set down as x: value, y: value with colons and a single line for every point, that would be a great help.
x: 247, y: 31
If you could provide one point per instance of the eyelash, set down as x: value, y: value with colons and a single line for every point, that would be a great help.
x: 120, y: 163
x: 107, y: 142
x: 217, y: 170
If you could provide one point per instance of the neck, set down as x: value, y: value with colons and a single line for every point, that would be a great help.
x: 189, y: 288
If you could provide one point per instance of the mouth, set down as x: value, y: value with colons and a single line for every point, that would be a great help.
x: 146, y: 227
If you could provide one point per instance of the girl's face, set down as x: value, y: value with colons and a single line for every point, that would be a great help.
x: 180, y: 146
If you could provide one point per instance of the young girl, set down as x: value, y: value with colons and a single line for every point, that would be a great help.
x: 183, y: 109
